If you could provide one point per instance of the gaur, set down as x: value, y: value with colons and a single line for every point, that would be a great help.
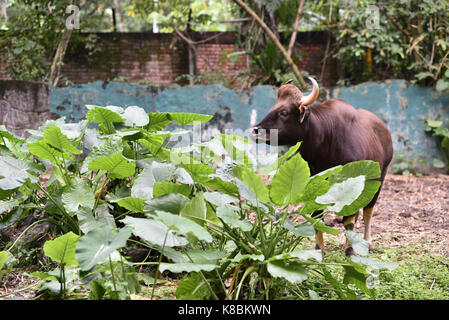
x: 332, y: 133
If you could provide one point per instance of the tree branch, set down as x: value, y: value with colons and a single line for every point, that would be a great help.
x: 275, y: 40
x: 295, y: 28
x: 193, y: 46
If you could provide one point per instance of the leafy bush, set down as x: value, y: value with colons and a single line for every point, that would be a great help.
x: 441, y: 132
x: 202, y: 209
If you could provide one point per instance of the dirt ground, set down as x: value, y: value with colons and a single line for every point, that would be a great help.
x: 410, y: 211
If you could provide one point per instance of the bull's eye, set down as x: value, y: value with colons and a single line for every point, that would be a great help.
x: 284, y: 113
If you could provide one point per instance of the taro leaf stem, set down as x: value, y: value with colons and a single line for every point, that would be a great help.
x: 113, y: 278
x: 159, y: 263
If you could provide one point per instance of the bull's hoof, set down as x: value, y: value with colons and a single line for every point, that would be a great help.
x: 349, y: 252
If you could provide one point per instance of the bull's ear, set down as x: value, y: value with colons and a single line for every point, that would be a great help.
x: 303, y: 113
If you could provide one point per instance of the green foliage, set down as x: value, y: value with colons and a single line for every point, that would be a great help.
x: 3, y: 259
x: 419, y: 275
x: 374, y: 41
x: 211, y: 224
x: 441, y: 133
x: 29, y: 38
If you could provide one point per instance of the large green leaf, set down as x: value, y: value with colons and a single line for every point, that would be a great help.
x: 98, y: 244
x: 292, y: 271
x: 8, y: 135
x: 158, y: 121
x: 320, y: 225
x: 375, y: 264
x: 154, y: 232
x: 253, y: 181
x: 302, y: 255
x: 290, y: 181
x: 237, y: 148
x: 62, y: 249
x: 172, y: 202
x: 189, y: 118
x: 103, y: 115
x: 219, y: 199
x: 233, y: 219
x: 116, y: 165
x: 360, y: 245
x: 304, y: 229
x: 347, y: 197
x: 135, y: 117
x: 76, y: 195
x: 165, y: 187
x: 369, y: 169
x: 196, y: 209
x: 132, y: 204
x: 6, y: 205
x: 343, y: 193
x: 354, y: 277
x: 45, y: 151
x: 152, y: 143
x: 183, y: 225
x: 198, y: 171
x: 220, y: 185
x: 192, y: 287
x: 54, y: 137
x: 13, y: 173
x: 280, y: 161
x: 112, y: 145
x: 3, y: 259
x: 88, y: 221
x: 143, y: 185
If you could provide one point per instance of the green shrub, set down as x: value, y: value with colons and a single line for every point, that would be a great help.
x: 202, y: 209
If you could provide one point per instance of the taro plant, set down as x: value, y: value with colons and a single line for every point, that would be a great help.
x: 120, y: 177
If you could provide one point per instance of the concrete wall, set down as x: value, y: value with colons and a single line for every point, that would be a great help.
x: 402, y: 106
x: 23, y: 105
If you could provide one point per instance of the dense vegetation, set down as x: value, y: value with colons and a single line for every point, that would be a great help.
x: 201, y: 210
x: 368, y: 39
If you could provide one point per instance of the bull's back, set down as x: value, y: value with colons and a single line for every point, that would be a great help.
x: 379, y: 145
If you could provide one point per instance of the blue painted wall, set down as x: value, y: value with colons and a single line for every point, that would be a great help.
x: 402, y: 106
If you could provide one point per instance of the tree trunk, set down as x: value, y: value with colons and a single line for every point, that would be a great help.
x: 295, y: 28
x: 59, y: 57
x: 3, y: 9
x: 275, y: 40
x: 118, y: 12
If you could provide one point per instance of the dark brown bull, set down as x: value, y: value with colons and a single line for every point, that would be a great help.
x: 332, y: 133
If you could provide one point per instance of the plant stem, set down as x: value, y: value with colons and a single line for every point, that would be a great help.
x: 24, y: 231
x: 23, y: 289
x: 247, y: 271
x: 158, y: 264
x: 98, y: 198
x: 74, y: 225
x: 113, y: 278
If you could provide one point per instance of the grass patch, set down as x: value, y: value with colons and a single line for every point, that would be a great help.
x: 420, y: 275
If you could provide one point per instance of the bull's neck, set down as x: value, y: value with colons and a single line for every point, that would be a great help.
x: 313, y: 148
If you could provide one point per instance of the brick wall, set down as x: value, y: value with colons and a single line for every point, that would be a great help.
x: 158, y: 59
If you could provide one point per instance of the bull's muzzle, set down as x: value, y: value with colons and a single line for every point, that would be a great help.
x: 259, y: 134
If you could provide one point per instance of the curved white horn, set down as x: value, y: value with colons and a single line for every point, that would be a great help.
x: 313, y: 95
